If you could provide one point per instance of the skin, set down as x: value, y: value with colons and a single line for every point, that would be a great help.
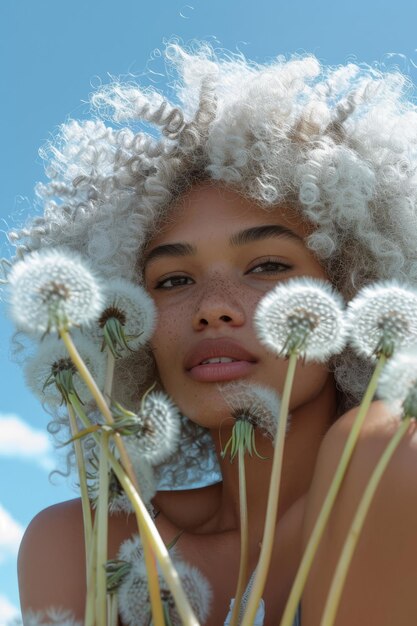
x: 211, y: 292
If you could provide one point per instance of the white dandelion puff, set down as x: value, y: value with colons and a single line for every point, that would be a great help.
x: 127, y: 319
x: 304, y: 315
x: 260, y: 405
x: 134, y: 602
x: 52, y: 288
x: 118, y: 500
x: 397, y: 385
x: 131, y: 549
x: 147, y: 486
x: 133, y: 597
x: 51, y: 617
x: 49, y: 371
x: 157, y: 429
x: 196, y: 588
x: 382, y: 318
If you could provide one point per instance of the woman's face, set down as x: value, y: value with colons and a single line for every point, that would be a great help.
x: 206, y: 271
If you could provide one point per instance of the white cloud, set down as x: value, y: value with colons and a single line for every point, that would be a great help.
x: 11, y: 533
x: 7, y: 611
x: 19, y: 439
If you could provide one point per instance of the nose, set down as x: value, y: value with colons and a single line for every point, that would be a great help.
x: 218, y: 305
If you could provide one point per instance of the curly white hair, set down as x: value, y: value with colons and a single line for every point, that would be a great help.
x: 339, y: 144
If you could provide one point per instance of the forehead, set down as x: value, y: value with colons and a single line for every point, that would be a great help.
x: 211, y: 210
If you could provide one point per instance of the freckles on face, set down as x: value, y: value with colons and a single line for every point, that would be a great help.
x: 206, y: 272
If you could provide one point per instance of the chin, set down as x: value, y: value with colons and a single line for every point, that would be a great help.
x: 206, y: 407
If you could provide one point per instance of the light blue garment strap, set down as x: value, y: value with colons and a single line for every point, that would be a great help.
x: 297, y: 618
x: 260, y: 614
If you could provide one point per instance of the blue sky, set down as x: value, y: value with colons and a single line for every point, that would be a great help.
x: 51, y: 54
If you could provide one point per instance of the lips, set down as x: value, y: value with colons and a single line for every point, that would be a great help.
x: 218, y: 359
x: 215, y: 349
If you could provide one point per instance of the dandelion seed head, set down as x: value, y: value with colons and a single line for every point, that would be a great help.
x: 197, y: 590
x: 118, y: 500
x: 303, y: 314
x: 158, y: 439
x: 51, y: 617
x: 131, y: 549
x: 52, y: 358
x: 112, y: 311
x: 397, y: 385
x: 134, y: 603
x: 62, y: 365
x: 382, y: 318
x: 51, y: 287
x: 132, y: 307
x: 259, y: 404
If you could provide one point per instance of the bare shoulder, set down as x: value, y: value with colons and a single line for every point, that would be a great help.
x: 51, y: 563
x: 51, y: 559
x: 379, y: 588
x: 377, y: 431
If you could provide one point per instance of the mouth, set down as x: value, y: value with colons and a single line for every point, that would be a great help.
x: 218, y: 360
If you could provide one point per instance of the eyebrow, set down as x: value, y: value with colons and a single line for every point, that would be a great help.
x: 257, y: 233
x: 241, y: 238
x: 169, y: 249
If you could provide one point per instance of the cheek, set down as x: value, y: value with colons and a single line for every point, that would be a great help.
x: 166, y: 340
x: 309, y: 379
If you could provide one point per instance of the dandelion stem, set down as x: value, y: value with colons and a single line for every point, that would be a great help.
x: 85, y: 502
x: 102, y: 529
x: 104, y: 408
x: 153, y: 580
x: 273, y: 496
x: 244, y: 539
x: 150, y: 562
x: 151, y: 568
x: 90, y: 605
x: 148, y: 530
x: 114, y: 609
x: 349, y: 546
x: 316, y: 535
x: 98, y: 397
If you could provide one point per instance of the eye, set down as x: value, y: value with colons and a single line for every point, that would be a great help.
x: 173, y: 281
x: 269, y: 266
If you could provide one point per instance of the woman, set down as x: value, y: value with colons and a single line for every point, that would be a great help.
x: 261, y: 173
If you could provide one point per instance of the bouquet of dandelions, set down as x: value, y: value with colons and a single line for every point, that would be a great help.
x: 305, y: 318
x: 302, y: 318
x: 82, y: 325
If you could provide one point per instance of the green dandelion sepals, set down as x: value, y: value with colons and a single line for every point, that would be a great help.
x: 116, y: 571
x: 242, y: 438
x: 260, y: 405
x: 127, y: 422
x: 128, y: 318
x: 253, y: 407
x: 382, y: 318
x: 52, y: 290
x: 303, y: 316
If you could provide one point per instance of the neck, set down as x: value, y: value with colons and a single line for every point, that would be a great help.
x: 309, y: 423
